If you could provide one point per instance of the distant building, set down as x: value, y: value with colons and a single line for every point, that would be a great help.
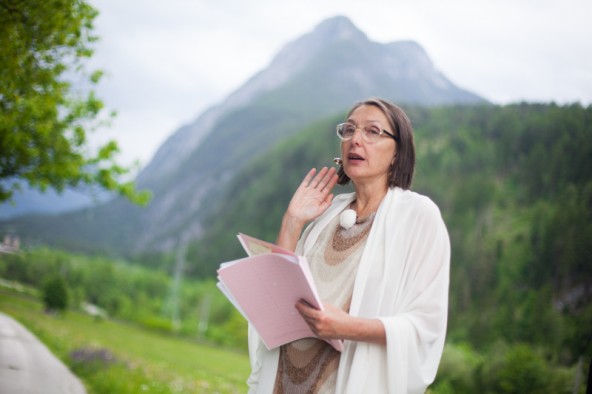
x: 10, y: 244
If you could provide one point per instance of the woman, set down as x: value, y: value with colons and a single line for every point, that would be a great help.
x: 383, y: 276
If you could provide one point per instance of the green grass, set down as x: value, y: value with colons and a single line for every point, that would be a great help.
x: 144, y: 362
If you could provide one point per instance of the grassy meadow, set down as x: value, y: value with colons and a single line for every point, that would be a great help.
x: 113, y: 357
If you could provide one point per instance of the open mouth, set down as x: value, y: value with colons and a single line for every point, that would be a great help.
x: 354, y: 157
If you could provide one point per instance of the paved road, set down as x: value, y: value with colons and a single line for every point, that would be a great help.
x: 28, y: 367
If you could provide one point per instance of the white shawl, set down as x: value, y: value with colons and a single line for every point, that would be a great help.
x: 402, y: 280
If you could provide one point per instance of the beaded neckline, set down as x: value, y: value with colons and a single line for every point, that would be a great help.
x: 344, y: 239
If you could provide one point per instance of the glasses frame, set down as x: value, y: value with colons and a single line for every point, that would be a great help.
x: 382, y: 131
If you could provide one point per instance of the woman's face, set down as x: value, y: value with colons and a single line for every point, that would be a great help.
x: 365, y: 162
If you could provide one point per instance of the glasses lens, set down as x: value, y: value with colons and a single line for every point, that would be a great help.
x: 372, y: 133
x: 345, y: 131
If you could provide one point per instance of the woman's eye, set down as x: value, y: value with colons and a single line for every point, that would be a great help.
x: 373, y: 131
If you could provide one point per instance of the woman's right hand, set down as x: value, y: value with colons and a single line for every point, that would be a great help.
x: 313, y: 196
x: 310, y: 200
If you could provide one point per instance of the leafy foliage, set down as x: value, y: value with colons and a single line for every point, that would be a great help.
x: 45, y: 114
x: 506, y: 368
x: 130, y: 292
x: 55, y: 294
x: 116, y: 357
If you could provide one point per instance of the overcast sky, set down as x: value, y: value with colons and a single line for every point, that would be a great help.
x: 167, y: 61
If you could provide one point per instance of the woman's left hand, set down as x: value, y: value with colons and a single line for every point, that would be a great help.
x: 334, y: 323
x: 329, y: 323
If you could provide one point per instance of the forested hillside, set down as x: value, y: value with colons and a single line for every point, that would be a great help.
x: 514, y: 186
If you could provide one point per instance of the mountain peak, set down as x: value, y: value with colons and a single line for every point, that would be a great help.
x: 295, y: 56
x: 337, y: 28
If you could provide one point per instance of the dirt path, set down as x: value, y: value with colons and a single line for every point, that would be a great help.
x: 28, y: 367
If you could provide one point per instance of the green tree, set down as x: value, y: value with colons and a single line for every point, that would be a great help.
x: 523, y: 371
x: 55, y: 294
x: 45, y: 117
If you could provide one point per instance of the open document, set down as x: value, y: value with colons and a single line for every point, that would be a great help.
x: 265, y: 288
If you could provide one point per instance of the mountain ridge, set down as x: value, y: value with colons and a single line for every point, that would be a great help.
x: 315, y: 76
x: 286, y: 62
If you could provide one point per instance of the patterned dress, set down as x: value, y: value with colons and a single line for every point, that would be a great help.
x: 310, y: 365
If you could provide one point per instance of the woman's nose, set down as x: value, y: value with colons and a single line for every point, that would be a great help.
x: 357, y: 137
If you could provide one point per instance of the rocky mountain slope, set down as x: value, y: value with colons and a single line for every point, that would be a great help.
x: 311, y: 78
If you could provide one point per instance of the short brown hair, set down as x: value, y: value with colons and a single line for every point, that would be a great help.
x: 401, y: 172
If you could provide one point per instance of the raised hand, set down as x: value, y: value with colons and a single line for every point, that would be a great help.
x: 313, y: 196
x: 310, y: 200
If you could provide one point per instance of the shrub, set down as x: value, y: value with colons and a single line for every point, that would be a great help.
x: 456, y: 373
x: 524, y: 371
x: 55, y: 294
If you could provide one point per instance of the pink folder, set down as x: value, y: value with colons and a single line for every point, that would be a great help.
x: 265, y: 287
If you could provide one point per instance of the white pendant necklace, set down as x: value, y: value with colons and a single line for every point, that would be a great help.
x: 348, y: 218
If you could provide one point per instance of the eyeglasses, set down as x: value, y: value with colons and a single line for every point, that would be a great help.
x: 370, y: 133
